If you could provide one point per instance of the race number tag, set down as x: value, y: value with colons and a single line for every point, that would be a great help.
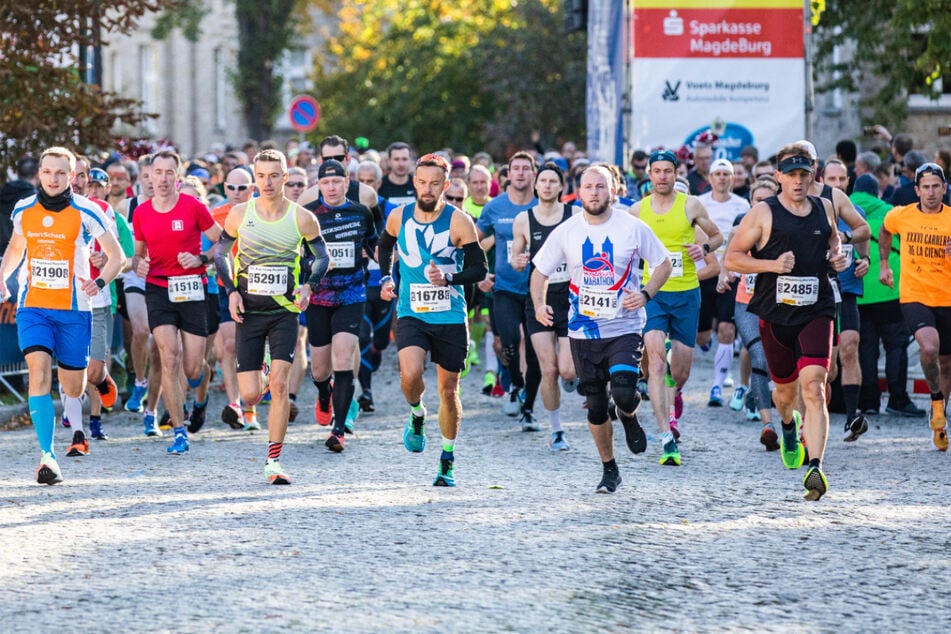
x: 342, y: 254
x: 847, y: 251
x: 560, y: 275
x: 749, y: 280
x: 267, y: 280
x: 597, y: 303
x: 49, y: 274
x: 797, y: 291
x: 429, y: 298
x: 186, y: 288
x: 508, y: 251
x: 677, y: 262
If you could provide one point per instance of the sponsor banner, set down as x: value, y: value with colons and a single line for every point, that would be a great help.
x: 756, y: 101
x: 605, y: 83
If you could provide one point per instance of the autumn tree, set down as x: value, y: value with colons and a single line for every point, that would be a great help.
x: 45, y: 100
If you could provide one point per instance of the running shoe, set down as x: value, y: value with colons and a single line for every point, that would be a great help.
x: 570, y: 385
x: 488, y: 383
x: 752, y: 414
x: 610, y: 481
x: 855, y: 428
x: 716, y: 397
x: 445, y: 477
x: 791, y: 449
x: 80, y: 446
x: 414, y: 434
x: 365, y: 401
x: 513, y: 405
x: 497, y: 391
x: 528, y: 421
x: 643, y: 388
x: 671, y: 455
x: 674, y: 428
x: 737, y: 400
x: 678, y: 404
x: 352, y: 414
x: 474, y: 359
x: 151, y: 429
x: 231, y: 416
x: 134, y: 404
x: 108, y: 394
x: 728, y: 381
x: 179, y: 445
x: 324, y: 413
x: 292, y: 412
x: 48, y: 472
x: 266, y: 398
x: 634, y: 434
x: 815, y: 483
x: 939, y: 426
x: 909, y: 409
x: 165, y: 423
x: 251, y: 421
x: 274, y: 473
x: 334, y: 443
x: 557, y: 442
x: 96, y: 430
x: 769, y: 438
x: 197, y: 418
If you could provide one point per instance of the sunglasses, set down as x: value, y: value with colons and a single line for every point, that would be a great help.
x: 454, y: 199
x: 295, y: 184
x: 929, y: 168
x: 236, y: 188
x: 337, y: 157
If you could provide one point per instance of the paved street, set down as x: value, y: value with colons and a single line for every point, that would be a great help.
x: 138, y: 541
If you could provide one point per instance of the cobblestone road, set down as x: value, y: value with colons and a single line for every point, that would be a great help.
x: 135, y: 540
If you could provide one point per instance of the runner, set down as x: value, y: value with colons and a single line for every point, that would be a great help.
x: 602, y: 248
x: 530, y: 231
x: 789, y: 242
x: 52, y: 233
x: 264, y: 297
x: 924, y: 229
x: 168, y: 254
x: 431, y: 311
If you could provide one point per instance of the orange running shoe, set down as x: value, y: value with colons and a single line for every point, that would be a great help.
x: 109, y: 394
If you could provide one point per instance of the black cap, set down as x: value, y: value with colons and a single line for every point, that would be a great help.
x: 331, y: 167
x: 662, y: 155
x: 797, y: 162
x: 928, y: 168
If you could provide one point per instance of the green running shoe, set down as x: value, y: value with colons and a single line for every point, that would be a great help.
x: 794, y: 455
x: 671, y: 455
x: 352, y: 414
x: 815, y: 483
x: 445, y: 477
x: 414, y: 434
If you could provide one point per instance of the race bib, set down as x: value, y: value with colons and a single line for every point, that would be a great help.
x: 429, y: 298
x: 49, y: 275
x: 342, y: 254
x: 186, y: 288
x: 749, y: 280
x: 373, y: 265
x: 797, y: 291
x: 597, y: 303
x: 847, y: 251
x: 267, y: 280
x: 677, y: 262
x: 560, y: 275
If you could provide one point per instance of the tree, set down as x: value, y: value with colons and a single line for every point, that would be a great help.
x: 901, y: 48
x: 471, y: 76
x: 44, y: 100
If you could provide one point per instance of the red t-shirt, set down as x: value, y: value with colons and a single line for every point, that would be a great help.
x: 170, y: 233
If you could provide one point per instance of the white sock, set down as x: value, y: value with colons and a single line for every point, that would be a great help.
x: 554, y: 420
x: 491, y: 361
x: 142, y: 383
x: 73, y: 410
x: 721, y: 363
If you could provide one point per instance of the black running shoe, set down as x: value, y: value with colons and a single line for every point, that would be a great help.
x: 855, y: 428
x: 815, y: 484
x: 232, y: 417
x: 197, y: 418
x: 365, y: 401
x: 610, y: 481
x: 634, y: 434
x: 292, y: 412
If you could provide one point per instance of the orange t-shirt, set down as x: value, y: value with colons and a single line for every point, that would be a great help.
x: 925, y: 267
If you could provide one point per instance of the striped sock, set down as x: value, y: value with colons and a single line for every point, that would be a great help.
x: 274, y: 450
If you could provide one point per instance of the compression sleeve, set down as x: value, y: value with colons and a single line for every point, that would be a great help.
x: 223, y: 261
x: 385, y: 246
x: 321, y: 261
x: 474, y: 265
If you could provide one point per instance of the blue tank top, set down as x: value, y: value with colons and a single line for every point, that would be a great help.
x: 418, y: 243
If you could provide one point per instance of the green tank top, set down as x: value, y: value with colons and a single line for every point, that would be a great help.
x: 267, y: 265
x: 674, y: 230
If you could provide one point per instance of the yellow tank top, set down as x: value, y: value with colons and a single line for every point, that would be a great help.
x: 674, y: 230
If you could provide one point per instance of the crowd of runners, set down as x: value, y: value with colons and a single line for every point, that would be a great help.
x: 549, y: 273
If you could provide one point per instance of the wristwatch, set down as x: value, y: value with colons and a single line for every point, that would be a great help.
x: 448, y: 279
x: 848, y: 236
x: 203, y: 258
x: 706, y: 247
x: 101, y: 283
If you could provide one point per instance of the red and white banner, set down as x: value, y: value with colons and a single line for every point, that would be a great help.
x: 736, y: 66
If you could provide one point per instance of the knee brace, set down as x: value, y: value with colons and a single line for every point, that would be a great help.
x: 597, y: 397
x: 624, y: 391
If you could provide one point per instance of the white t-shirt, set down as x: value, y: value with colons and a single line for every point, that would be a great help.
x: 723, y: 214
x: 603, y: 260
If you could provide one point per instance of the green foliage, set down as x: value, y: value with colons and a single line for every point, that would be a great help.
x: 185, y: 15
x: 471, y: 76
x: 44, y: 101
x: 901, y: 48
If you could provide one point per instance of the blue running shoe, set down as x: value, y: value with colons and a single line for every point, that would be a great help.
x: 96, y: 430
x: 671, y: 454
x: 558, y: 442
x: 352, y: 414
x: 739, y: 396
x: 266, y: 399
x: 151, y: 428
x: 716, y: 397
x: 179, y: 445
x: 414, y: 435
x: 134, y: 404
x: 445, y: 477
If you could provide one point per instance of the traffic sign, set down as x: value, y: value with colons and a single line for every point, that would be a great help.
x: 304, y: 113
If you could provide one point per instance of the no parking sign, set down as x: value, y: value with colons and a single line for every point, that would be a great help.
x: 304, y: 113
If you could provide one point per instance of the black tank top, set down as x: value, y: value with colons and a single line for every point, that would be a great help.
x: 808, y: 238
x: 538, y: 233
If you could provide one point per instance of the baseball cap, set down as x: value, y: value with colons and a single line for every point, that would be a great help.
x: 721, y: 164
x: 97, y: 175
x: 792, y: 163
x: 808, y: 147
x: 929, y: 168
x: 331, y: 167
x: 662, y: 155
x: 305, y: 146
